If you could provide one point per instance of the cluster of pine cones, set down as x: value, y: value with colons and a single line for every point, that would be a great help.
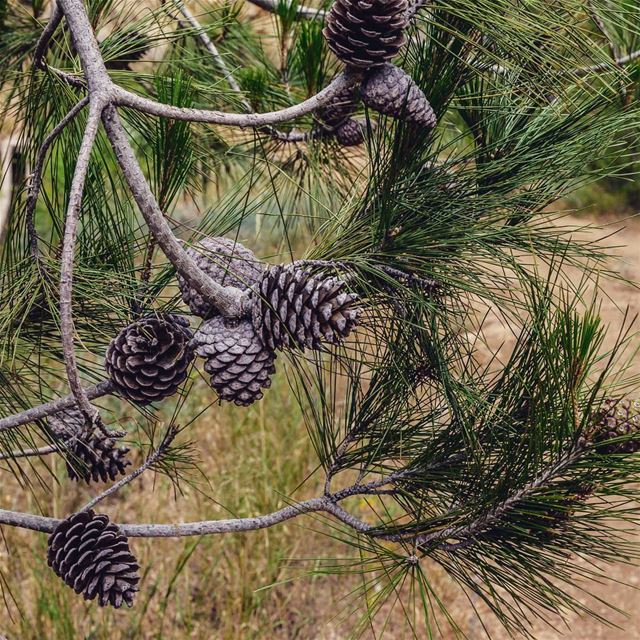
x: 366, y: 35
x: 617, y: 427
x: 148, y: 361
x: 290, y: 309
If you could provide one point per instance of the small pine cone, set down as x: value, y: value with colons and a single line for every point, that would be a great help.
x: 293, y: 309
x: 366, y: 33
x: 618, y: 419
x: 227, y: 262
x: 66, y: 424
x: 340, y: 109
x: 95, y: 456
x: 390, y: 91
x: 350, y: 133
x: 92, y: 556
x: 148, y: 360
x: 239, y: 364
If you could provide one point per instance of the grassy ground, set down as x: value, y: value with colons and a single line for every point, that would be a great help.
x: 215, y: 587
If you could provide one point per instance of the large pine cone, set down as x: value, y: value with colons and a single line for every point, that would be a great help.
x: 618, y: 420
x: 92, y: 556
x: 148, y: 360
x: 239, y: 364
x: 389, y: 90
x: 90, y: 453
x: 227, y: 262
x: 293, y: 309
x: 366, y: 33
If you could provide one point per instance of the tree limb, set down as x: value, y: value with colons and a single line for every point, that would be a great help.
x: 228, y: 300
x: 67, y: 329
x: 49, y: 408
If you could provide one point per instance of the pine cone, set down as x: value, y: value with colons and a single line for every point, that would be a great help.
x: 350, y: 133
x: 91, y: 455
x: 92, y: 556
x: 95, y: 456
x: 293, y: 309
x: 148, y: 360
x: 618, y: 419
x: 339, y: 109
x: 225, y: 261
x: 239, y: 364
x: 66, y: 424
x: 389, y: 90
x: 366, y: 33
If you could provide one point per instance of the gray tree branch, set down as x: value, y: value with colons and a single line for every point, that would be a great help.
x: 49, y: 408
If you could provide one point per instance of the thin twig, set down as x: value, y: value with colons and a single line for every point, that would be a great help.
x: 35, y: 179
x: 152, y: 458
x: 212, y: 49
x: 30, y: 453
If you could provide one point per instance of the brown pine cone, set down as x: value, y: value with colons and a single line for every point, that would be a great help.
x: 618, y: 421
x: 66, y: 424
x: 148, y: 360
x: 95, y: 456
x: 366, y: 33
x: 239, y: 364
x: 350, y: 133
x: 293, y: 309
x: 340, y: 109
x: 389, y: 90
x: 92, y: 556
x: 90, y: 453
x: 227, y: 262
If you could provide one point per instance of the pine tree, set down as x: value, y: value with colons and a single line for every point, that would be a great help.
x: 403, y: 159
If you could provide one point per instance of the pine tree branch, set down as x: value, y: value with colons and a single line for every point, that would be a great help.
x: 228, y: 300
x: 43, y: 44
x: 67, y: 329
x: 464, y: 533
x: 35, y: 183
x: 340, y: 83
x: 30, y: 453
x: 49, y: 408
x: 283, y: 136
